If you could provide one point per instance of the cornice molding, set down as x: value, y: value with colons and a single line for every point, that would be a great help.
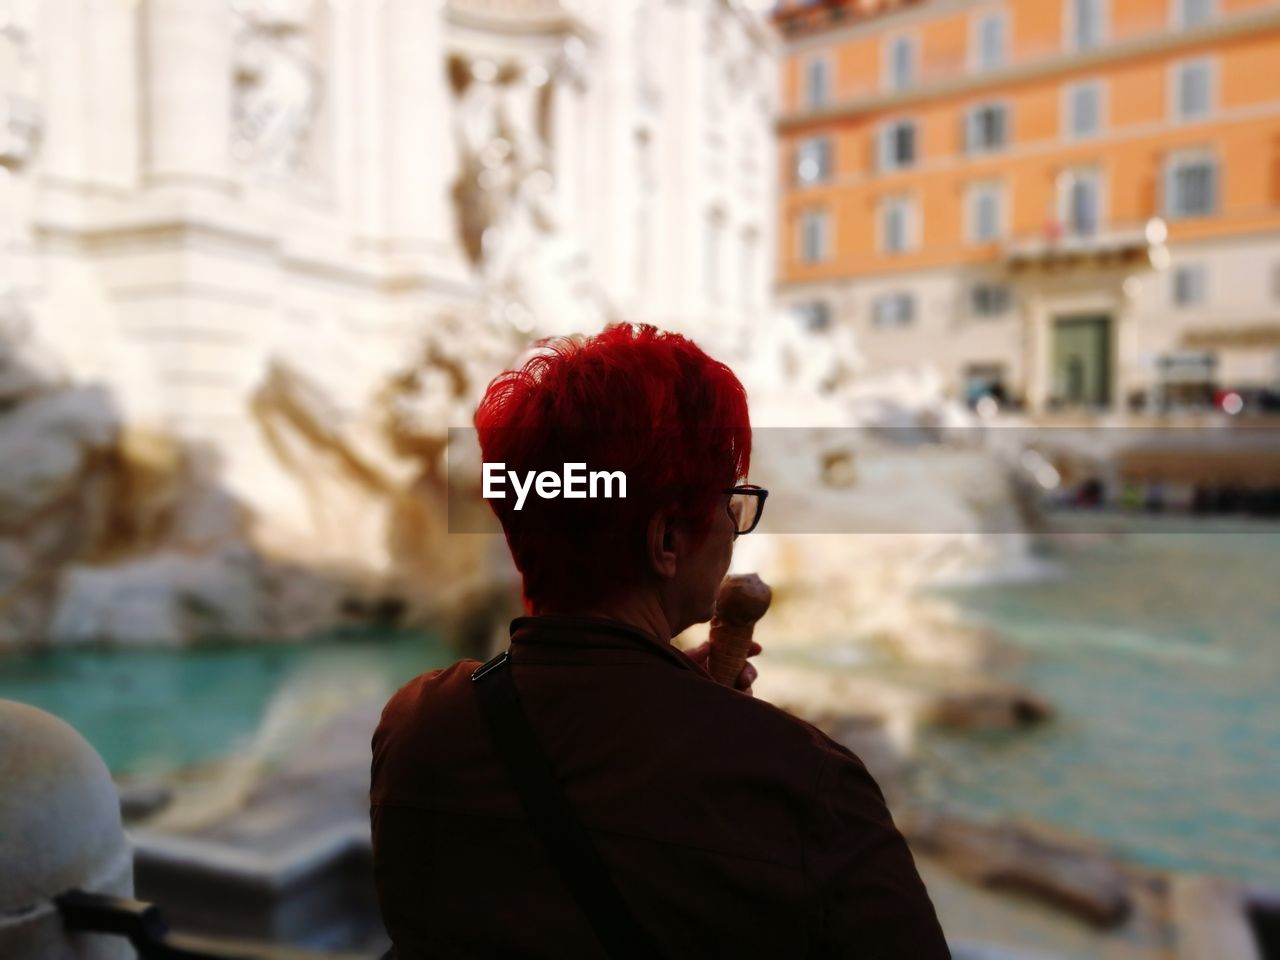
x: 1164, y: 41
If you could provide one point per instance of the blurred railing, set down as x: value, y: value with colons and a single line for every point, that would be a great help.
x: 147, y: 930
x: 1123, y: 241
x: 142, y: 924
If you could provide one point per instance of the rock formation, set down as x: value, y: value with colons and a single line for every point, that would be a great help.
x: 1032, y: 860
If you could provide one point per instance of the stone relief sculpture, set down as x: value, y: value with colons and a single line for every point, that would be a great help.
x: 278, y: 84
x: 373, y: 482
x: 20, y: 125
x: 535, y: 270
x: 19, y: 113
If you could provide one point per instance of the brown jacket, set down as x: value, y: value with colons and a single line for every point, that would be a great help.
x: 730, y: 827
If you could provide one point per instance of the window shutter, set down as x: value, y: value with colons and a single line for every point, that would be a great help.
x: 1186, y: 91
x: 900, y: 63
x: 991, y: 41
x: 1084, y: 110
x: 1194, y: 12
x: 1087, y: 16
x: 1193, y: 89
x: 817, y: 83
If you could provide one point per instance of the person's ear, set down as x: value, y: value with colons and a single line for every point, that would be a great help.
x: 662, y: 541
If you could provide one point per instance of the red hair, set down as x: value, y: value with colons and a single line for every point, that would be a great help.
x: 632, y: 398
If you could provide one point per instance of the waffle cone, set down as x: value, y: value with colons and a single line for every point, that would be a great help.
x: 743, y: 600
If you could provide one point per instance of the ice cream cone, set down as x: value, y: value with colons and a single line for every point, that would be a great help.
x: 743, y: 599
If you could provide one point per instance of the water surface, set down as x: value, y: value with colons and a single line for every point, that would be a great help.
x: 150, y: 711
x: 1161, y: 652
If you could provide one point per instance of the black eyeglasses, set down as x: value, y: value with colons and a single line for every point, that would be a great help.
x: 746, y: 506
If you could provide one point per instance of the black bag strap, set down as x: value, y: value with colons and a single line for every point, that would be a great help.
x: 552, y: 818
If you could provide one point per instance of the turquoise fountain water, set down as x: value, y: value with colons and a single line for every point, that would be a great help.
x: 152, y: 711
x: 1161, y: 652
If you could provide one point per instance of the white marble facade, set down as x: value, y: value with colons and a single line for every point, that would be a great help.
x: 196, y: 193
x: 639, y: 134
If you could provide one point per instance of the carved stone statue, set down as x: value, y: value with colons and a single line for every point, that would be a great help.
x: 277, y: 84
x: 536, y: 271
x: 19, y: 114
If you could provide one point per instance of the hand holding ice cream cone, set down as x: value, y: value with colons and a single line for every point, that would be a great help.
x: 743, y: 600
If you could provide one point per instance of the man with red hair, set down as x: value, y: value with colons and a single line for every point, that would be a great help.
x: 593, y: 791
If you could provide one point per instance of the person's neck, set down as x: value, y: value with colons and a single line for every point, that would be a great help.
x: 641, y: 610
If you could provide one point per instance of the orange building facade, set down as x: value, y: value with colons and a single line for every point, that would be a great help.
x: 1068, y: 204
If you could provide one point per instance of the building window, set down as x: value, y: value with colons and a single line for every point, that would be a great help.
x: 1084, y: 109
x: 1192, y: 89
x: 901, y: 63
x: 897, y: 226
x: 890, y: 310
x: 813, y: 160
x: 990, y: 299
x: 984, y: 380
x: 815, y: 236
x: 817, y: 83
x: 897, y: 145
x: 1191, y: 187
x: 989, y: 41
x: 1193, y: 13
x: 1185, y: 379
x: 1189, y: 285
x: 986, y: 213
x: 1080, y: 202
x: 1086, y: 21
x: 986, y: 127
x: 815, y: 315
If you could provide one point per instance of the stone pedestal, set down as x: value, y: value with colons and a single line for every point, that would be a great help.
x: 60, y: 830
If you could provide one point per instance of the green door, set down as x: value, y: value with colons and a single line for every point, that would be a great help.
x: 1082, y: 361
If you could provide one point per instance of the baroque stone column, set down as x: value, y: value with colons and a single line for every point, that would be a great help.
x: 686, y: 198
x: 420, y: 156
x: 1125, y: 378
x: 1038, y: 345
x: 568, y: 91
x: 188, y: 57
